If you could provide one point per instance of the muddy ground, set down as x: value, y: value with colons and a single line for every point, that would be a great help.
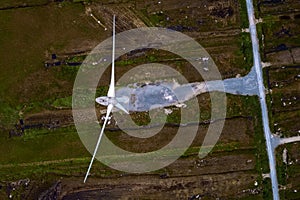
x: 146, y: 187
x: 280, y: 30
x: 281, y: 48
x: 67, y: 30
x: 289, y: 170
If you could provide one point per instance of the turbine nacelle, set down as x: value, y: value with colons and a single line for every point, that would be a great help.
x: 104, y: 100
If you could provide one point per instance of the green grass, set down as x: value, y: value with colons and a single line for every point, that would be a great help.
x: 38, y: 31
x: 41, y: 145
x: 269, y: 18
x: 281, y: 168
x: 245, y: 39
x: 141, y: 118
x: 101, y: 91
x: 66, y: 72
x: 8, y: 114
x: 259, y: 29
x: 243, y: 14
x: 76, y: 59
x: 219, y: 147
x: 290, y: 195
x: 125, y: 62
x: 38, y: 171
x: 65, y: 102
x: 143, y: 14
x: 157, y: 19
x: 267, y: 189
x: 291, y: 180
x: 246, y: 49
x: 249, y: 106
x: 262, y: 161
x: 174, y: 117
x: 272, y: 27
x: 38, y: 145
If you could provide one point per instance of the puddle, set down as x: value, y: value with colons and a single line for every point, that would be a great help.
x: 148, y: 96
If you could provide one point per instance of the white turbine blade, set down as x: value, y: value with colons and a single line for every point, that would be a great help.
x: 118, y: 105
x: 111, y: 90
x: 109, y: 109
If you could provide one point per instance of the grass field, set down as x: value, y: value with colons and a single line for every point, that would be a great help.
x: 28, y: 37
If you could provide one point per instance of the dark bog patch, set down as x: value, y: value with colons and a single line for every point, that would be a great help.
x: 222, y: 12
x: 297, y: 16
x: 285, y: 17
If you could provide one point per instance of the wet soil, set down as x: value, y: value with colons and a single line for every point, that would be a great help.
x: 280, y: 29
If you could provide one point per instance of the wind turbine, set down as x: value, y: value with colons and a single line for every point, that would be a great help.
x: 109, y: 101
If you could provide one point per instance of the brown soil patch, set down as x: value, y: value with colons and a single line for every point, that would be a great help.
x: 152, y: 187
